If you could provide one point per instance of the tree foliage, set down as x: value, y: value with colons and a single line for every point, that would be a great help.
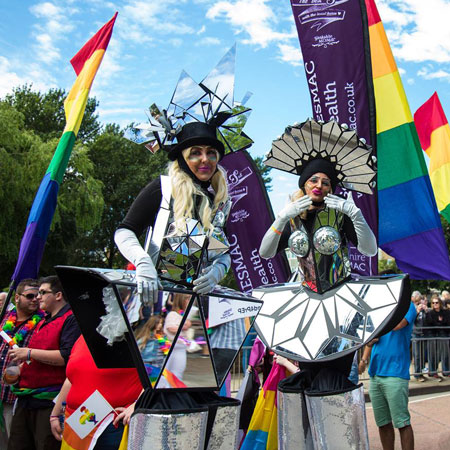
x: 24, y: 158
x: 43, y: 113
x: 124, y: 169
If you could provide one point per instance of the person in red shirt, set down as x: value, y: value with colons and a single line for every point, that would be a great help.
x: 120, y: 387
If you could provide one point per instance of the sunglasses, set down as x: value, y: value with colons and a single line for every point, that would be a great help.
x: 435, y: 303
x: 42, y: 293
x: 30, y: 296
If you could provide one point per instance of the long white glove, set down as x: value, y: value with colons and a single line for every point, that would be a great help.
x: 146, y: 275
x: 212, y: 275
x: 269, y: 243
x: 367, y: 244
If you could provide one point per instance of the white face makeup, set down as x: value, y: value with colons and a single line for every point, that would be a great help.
x: 318, y: 187
x: 202, y: 160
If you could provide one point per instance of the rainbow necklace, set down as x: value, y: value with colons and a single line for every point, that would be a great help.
x: 10, y: 324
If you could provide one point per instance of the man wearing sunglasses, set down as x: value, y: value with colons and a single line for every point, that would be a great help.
x: 43, y: 371
x: 15, y: 325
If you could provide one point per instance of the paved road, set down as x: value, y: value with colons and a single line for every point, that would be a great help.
x: 430, y: 419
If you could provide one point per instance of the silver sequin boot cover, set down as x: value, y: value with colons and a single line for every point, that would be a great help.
x: 292, y: 432
x: 225, y: 430
x: 180, y: 431
x: 338, y: 421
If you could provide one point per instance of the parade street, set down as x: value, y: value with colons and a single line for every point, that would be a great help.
x: 430, y: 419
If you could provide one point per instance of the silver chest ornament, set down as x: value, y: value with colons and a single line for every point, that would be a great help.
x: 299, y: 243
x: 327, y: 240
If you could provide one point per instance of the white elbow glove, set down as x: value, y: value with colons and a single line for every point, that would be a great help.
x: 212, y: 275
x: 269, y: 244
x: 367, y: 244
x: 294, y: 209
x: 146, y: 275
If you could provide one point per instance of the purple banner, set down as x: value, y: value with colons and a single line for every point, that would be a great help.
x: 250, y: 217
x: 334, y: 40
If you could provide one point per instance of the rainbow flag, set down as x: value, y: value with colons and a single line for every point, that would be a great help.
x: 434, y: 135
x: 409, y: 225
x: 71, y: 440
x: 85, y: 63
x: 153, y: 374
x: 262, y: 432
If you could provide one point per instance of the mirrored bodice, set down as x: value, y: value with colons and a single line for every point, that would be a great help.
x: 319, y: 244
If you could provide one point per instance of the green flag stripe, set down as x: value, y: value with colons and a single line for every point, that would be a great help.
x: 60, y: 159
x: 398, y: 159
x: 446, y: 213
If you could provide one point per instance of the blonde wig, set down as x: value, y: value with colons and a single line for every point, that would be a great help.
x: 184, y: 189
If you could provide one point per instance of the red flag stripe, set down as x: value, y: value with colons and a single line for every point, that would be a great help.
x: 99, y: 41
x: 428, y: 118
x: 372, y: 13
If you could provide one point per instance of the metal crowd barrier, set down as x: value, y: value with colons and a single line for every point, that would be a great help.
x: 430, y: 356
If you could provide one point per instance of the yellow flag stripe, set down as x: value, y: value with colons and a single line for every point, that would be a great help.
x: 439, y: 180
x: 383, y: 61
x: 75, y: 102
x: 439, y: 150
x: 391, y: 102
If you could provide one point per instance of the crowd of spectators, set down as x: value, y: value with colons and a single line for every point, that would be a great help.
x: 431, y: 336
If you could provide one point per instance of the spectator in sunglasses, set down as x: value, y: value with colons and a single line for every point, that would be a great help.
x: 16, y: 324
x: 43, y: 371
x: 439, y: 319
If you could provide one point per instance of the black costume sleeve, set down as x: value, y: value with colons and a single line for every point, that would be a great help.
x: 144, y: 209
x: 349, y: 231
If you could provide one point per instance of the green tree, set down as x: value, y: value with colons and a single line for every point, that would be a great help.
x: 124, y: 168
x: 44, y: 113
x: 24, y: 158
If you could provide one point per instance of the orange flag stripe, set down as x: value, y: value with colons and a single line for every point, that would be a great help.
x: 383, y: 61
x: 439, y: 150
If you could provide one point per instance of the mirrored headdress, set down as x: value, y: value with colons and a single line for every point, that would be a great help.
x: 301, y: 144
x: 211, y: 102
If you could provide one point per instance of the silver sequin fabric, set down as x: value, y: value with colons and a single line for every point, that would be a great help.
x: 338, y: 422
x: 291, y: 434
x: 167, y: 431
x: 224, y: 434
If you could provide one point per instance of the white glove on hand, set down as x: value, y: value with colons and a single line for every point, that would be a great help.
x: 367, y: 243
x: 147, y: 281
x: 344, y: 205
x: 295, y: 208
x: 146, y: 275
x: 209, y: 278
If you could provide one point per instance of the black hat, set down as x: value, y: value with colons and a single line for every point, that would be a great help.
x: 316, y: 166
x: 196, y: 133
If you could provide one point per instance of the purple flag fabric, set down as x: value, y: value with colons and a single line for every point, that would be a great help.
x: 334, y: 41
x: 250, y: 217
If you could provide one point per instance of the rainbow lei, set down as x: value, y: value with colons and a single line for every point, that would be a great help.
x: 10, y: 324
x: 164, y: 343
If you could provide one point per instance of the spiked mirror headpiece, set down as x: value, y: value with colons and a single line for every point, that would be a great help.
x: 311, y: 141
x: 209, y: 105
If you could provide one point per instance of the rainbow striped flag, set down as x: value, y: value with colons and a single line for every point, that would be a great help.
x: 85, y: 63
x: 434, y: 134
x: 262, y: 432
x: 409, y: 225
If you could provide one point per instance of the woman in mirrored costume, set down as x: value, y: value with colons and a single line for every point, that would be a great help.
x: 196, y: 189
x: 323, y: 315
x: 316, y: 225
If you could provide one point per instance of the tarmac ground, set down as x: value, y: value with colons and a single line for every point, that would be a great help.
x: 430, y: 420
